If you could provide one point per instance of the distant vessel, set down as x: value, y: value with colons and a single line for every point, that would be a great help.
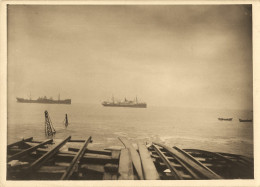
x: 44, y: 100
x: 125, y: 103
x: 225, y: 119
x: 245, y: 120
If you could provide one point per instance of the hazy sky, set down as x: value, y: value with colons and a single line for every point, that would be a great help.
x: 190, y: 56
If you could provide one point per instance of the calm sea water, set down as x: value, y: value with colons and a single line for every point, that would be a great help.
x: 184, y: 128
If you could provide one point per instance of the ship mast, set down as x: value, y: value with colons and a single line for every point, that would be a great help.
x: 136, y: 99
x: 59, y: 97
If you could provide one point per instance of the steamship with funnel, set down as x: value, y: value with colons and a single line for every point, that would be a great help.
x: 44, y: 100
x: 125, y: 103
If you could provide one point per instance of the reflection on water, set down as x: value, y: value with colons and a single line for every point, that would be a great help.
x: 184, y: 128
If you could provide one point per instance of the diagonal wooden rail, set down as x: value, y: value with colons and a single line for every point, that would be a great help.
x: 198, y: 167
x: 73, y: 165
x: 39, y: 162
x: 19, y: 142
x: 29, y: 150
x: 166, y: 161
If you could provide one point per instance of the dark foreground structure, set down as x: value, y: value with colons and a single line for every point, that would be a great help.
x: 70, y: 159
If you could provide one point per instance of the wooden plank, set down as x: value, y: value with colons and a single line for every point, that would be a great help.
x: 199, y: 160
x: 115, y: 154
x: 150, y: 172
x: 125, y: 169
x: 82, y: 141
x: 203, y: 170
x: 93, y: 167
x: 75, y: 161
x: 20, y: 142
x: 35, y: 165
x: 135, y: 157
x: 109, y: 167
x: 88, y: 157
x: 103, y: 152
x: 29, y: 150
x: 52, y: 169
x: 91, y: 151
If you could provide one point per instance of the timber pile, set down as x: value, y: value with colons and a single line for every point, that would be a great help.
x: 72, y: 160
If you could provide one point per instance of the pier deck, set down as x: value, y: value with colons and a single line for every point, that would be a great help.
x: 70, y: 159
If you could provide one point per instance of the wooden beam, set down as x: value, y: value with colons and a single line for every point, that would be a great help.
x: 150, y: 172
x: 111, y: 167
x: 125, y: 169
x: 135, y: 157
x: 115, y: 154
x: 93, y: 167
x: 29, y: 150
x: 35, y: 165
x: 203, y: 170
x: 196, y: 160
x: 82, y: 141
x: 70, y: 170
x: 91, y: 151
x: 88, y: 157
x: 20, y: 142
x: 52, y: 169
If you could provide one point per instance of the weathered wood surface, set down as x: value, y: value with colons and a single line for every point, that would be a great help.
x: 82, y: 141
x: 115, y: 154
x: 109, y: 167
x: 19, y: 142
x: 150, y: 172
x: 29, y: 150
x: 135, y: 157
x: 75, y: 161
x: 125, y: 169
x: 93, y: 167
x: 91, y: 151
x: 52, y: 169
x: 35, y: 165
x: 166, y: 162
x: 206, y: 172
x: 88, y: 157
x: 198, y: 162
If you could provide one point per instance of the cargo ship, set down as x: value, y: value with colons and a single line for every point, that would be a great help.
x: 125, y: 103
x: 44, y: 100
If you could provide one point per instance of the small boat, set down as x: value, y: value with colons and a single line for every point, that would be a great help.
x: 225, y: 119
x: 71, y: 159
x: 245, y: 120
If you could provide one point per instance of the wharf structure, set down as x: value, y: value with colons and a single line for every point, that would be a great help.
x: 71, y: 159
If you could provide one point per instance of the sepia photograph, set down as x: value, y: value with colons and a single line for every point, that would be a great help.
x: 102, y: 92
